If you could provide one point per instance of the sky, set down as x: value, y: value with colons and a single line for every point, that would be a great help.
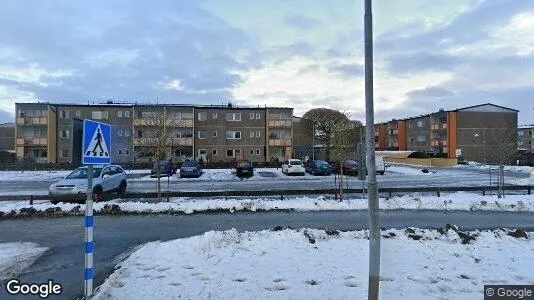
x: 302, y: 53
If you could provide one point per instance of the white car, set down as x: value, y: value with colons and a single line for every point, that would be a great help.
x: 293, y: 166
x: 106, y: 179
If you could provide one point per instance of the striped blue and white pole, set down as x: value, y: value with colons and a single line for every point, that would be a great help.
x: 89, y: 246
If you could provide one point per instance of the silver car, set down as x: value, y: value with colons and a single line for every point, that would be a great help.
x: 106, y: 179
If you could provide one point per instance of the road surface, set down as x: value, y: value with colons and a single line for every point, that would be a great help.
x: 115, y: 235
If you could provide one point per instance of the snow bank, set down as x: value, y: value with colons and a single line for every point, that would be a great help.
x: 15, y: 257
x: 314, y: 264
x: 454, y: 201
x: 33, y: 175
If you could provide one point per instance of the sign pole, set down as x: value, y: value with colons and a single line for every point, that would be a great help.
x: 89, y: 235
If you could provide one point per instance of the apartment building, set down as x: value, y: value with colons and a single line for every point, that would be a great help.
x: 164, y: 130
x: 7, y: 136
x: 45, y: 132
x: 525, y: 138
x: 120, y: 116
x: 225, y: 134
x: 476, y: 133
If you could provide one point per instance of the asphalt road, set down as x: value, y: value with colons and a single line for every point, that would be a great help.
x: 116, y: 235
x: 438, y: 177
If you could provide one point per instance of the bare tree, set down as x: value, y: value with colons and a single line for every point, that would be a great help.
x: 158, y: 136
x: 327, y: 123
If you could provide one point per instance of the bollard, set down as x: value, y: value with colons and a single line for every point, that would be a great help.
x: 31, y: 199
x: 439, y: 193
x: 390, y: 195
x: 225, y: 195
x: 528, y: 190
x: 335, y: 194
x: 282, y: 196
x: 483, y: 192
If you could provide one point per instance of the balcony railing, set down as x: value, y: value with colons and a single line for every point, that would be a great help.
x: 32, y: 141
x: 279, y: 142
x: 279, y: 123
x: 441, y: 126
x: 278, y: 117
x: 438, y: 143
x: 153, y: 141
x: 32, y: 121
x: 169, y: 123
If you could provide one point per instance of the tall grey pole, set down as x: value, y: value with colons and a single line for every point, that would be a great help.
x: 374, y: 228
x: 313, y: 139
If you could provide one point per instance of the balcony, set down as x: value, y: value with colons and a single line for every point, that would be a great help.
x: 32, y: 141
x: 279, y: 142
x: 441, y: 126
x: 393, y: 132
x: 438, y: 143
x: 280, y: 123
x: 168, y: 123
x: 32, y: 121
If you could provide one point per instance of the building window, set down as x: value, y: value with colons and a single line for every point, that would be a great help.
x: 202, y: 134
x: 258, y: 134
x: 251, y: 133
x: 78, y: 113
x: 99, y: 114
x: 258, y: 116
x: 420, y: 123
x: 119, y: 114
x: 229, y: 153
x: 139, y: 134
x: 520, y: 143
x: 421, y: 138
x: 214, y: 116
x: 251, y: 115
x: 126, y: 151
x: 202, y: 116
x: 214, y: 152
x: 233, y: 135
x: 214, y: 134
x: 64, y: 114
x: 233, y: 117
x: 126, y: 113
x: 120, y: 132
x: 126, y: 132
x: 64, y: 153
x: 119, y: 151
x: 258, y: 152
x: 201, y: 152
x: 64, y: 134
x: 251, y: 151
x: 521, y: 133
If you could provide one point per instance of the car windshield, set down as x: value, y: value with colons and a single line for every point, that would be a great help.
x: 295, y: 162
x: 189, y: 164
x: 81, y: 173
x: 321, y: 163
x: 243, y: 164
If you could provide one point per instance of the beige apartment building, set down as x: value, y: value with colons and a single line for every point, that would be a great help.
x: 525, y: 138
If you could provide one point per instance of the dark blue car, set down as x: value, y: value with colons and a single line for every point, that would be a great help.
x: 190, y: 169
x: 318, y: 167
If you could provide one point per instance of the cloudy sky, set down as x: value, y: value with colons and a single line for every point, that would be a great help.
x: 301, y: 53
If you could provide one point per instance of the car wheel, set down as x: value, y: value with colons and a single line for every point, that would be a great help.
x: 302, y: 174
x: 381, y: 172
x: 314, y: 173
x: 122, y: 188
x: 97, y: 191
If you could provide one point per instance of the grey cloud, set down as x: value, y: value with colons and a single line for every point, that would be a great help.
x: 430, y: 92
x: 421, y: 61
x: 347, y: 70
x: 6, y: 117
x: 174, y: 40
x: 301, y: 22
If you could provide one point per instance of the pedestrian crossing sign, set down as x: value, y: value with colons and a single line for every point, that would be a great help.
x: 96, y: 143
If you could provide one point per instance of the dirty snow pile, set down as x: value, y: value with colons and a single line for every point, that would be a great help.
x: 32, y: 175
x: 15, y: 257
x: 322, y: 264
x: 454, y: 201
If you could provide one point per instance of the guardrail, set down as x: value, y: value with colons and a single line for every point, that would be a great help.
x: 282, y: 193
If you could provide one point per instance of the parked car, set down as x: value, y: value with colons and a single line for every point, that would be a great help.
x: 293, y: 166
x: 350, y: 167
x: 244, y: 168
x: 190, y: 168
x: 166, y: 168
x: 380, y: 165
x: 106, y: 179
x: 318, y: 167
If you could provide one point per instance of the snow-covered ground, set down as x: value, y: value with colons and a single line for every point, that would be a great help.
x: 453, y: 201
x: 312, y: 264
x: 15, y: 257
x: 32, y: 175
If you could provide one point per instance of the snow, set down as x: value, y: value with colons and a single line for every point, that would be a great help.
x: 33, y: 175
x: 286, y: 265
x: 406, y: 170
x: 453, y: 201
x: 15, y: 257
